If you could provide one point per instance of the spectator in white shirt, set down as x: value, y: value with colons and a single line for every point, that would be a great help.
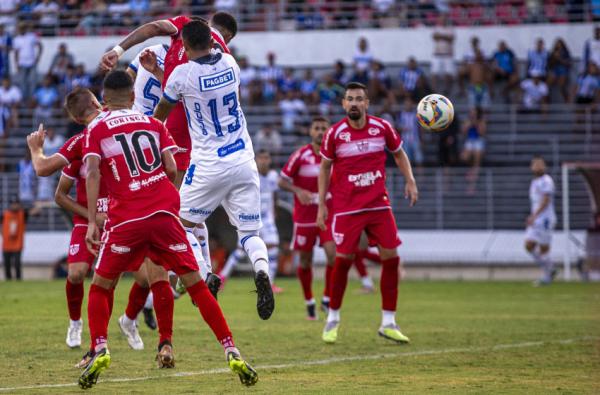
x: 442, y: 65
x: 363, y: 57
x: 537, y: 60
x: 47, y: 14
x: 27, y: 49
x: 8, y: 14
x: 267, y: 138
x: 62, y: 59
x: 270, y: 75
x: 292, y: 109
x: 10, y: 98
x: 534, y: 94
x: 591, y: 50
x: 250, y: 88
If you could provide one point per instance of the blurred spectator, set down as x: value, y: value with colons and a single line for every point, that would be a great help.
x: 478, y: 93
x: 559, y: 66
x: 363, y: 57
x: 586, y: 91
x: 270, y: 75
x: 442, y: 65
x: 47, y: 14
x: 474, y: 130
x: 534, y: 93
x: 14, y: 219
x: 448, y: 144
x: 10, y: 99
x: 26, y: 10
x: 45, y: 99
x: 329, y: 94
x: 361, y: 76
x: 411, y: 133
x: 292, y: 110
x: 94, y: 16
x: 61, y: 60
x: 591, y: 50
x: 504, y: 66
x: 8, y: 14
x: 380, y: 83
x: 5, y: 48
x: 537, y: 60
x: 46, y: 185
x: 250, y: 86
x: 138, y: 9
x: 382, y: 10
x: 309, y: 18
x: 288, y: 82
x: 411, y: 78
x: 119, y: 11
x: 28, y: 50
x: 226, y: 5
x: 468, y: 59
x: 339, y: 73
x: 267, y: 138
x: 81, y: 78
x: 26, y: 180
x: 308, y: 87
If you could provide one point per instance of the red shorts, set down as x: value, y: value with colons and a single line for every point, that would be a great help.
x: 78, y: 251
x: 379, y: 225
x: 177, y: 125
x: 160, y: 237
x: 305, y: 236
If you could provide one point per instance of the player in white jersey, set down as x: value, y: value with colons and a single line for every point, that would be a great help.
x: 268, y: 179
x: 542, y: 219
x: 147, y: 87
x: 222, y: 170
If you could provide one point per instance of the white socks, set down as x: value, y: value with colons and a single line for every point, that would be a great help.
x: 202, y: 266
x: 388, y: 318
x: 149, y: 301
x: 310, y: 302
x: 128, y: 321
x: 366, y: 282
x: 333, y: 315
x: 257, y: 252
x: 202, y: 236
x: 273, y: 262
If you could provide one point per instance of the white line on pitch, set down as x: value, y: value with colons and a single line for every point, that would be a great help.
x: 327, y: 361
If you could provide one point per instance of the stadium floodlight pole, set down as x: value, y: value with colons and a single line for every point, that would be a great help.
x: 566, y: 222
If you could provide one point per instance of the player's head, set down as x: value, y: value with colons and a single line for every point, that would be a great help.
x: 538, y: 166
x: 318, y: 127
x: 356, y: 100
x: 118, y: 89
x: 81, y: 105
x: 226, y: 24
x: 197, y: 38
x: 263, y: 161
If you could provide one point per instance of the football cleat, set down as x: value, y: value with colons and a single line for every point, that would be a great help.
x: 265, y: 302
x: 276, y: 289
x: 74, y: 334
x: 179, y: 287
x: 325, y: 306
x: 85, y: 360
x: 392, y: 332
x: 247, y: 374
x: 130, y: 331
x: 311, y: 312
x: 97, y: 365
x: 213, y: 282
x: 149, y: 318
x: 330, y: 332
x: 165, y: 357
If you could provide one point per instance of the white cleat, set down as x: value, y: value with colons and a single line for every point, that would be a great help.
x: 130, y: 331
x: 74, y: 334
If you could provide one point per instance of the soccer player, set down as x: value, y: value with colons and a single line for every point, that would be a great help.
x: 542, y: 219
x: 268, y: 232
x: 146, y: 86
x: 133, y: 154
x: 355, y: 147
x: 222, y: 170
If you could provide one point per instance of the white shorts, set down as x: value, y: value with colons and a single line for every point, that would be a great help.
x: 236, y: 189
x: 475, y: 144
x: 541, y: 231
x: 442, y: 65
x: 269, y: 233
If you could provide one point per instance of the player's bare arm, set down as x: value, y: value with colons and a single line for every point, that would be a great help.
x: 43, y: 165
x: 169, y: 165
x: 151, y: 29
x: 304, y: 196
x: 545, y: 203
x: 324, y: 174
x: 163, y: 109
x: 149, y: 61
x: 410, y: 189
x: 92, y: 186
x: 62, y: 198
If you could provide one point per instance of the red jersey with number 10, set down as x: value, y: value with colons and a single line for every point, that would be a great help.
x: 358, y: 156
x: 130, y: 146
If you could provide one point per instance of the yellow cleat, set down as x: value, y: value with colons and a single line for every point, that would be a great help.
x: 392, y: 332
x: 330, y: 332
x: 247, y: 374
x: 98, y: 364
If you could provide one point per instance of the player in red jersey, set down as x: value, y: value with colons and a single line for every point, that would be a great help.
x: 133, y: 154
x: 355, y: 147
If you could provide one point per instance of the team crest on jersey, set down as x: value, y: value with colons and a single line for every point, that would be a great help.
x: 218, y: 80
x: 73, y: 249
x: 373, y: 131
x: 338, y: 238
x: 135, y: 186
x: 362, y: 146
x: 301, y: 240
x: 345, y: 136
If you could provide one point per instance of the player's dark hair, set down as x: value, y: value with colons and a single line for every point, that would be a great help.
x: 196, y: 35
x: 356, y: 85
x: 198, y: 18
x: 226, y: 21
x: 78, y: 103
x: 118, y: 80
x: 320, y: 118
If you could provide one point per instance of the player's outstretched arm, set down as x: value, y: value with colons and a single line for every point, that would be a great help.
x: 304, y: 196
x: 162, y: 110
x: 151, y: 29
x: 62, y: 198
x: 43, y: 165
x: 410, y: 189
x: 92, y: 187
x: 324, y: 174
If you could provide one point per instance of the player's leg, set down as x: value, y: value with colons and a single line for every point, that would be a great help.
x: 74, y: 292
x: 303, y: 241
x: 138, y: 294
x: 213, y: 281
x: 148, y: 312
x: 270, y: 236
x: 361, y: 268
x: 329, y: 248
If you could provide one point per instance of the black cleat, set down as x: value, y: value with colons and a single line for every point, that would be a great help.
x: 311, y: 312
x: 265, y: 302
x: 213, y: 282
x: 89, y: 377
x: 149, y: 318
x: 325, y: 306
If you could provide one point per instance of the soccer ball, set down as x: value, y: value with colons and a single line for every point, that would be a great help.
x: 435, y: 112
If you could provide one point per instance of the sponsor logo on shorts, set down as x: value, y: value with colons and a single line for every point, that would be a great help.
x: 243, y: 217
x: 229, y: 149
x: 365, y: 179
x: 338, y: 238
x: 178, y: 247
x: 73, y: 249
x: 373, y: 131
x: 200, y: 211
x: 119, y: 249
x: 301, y: 240
x: 345, y: 136
x: 218, y: 80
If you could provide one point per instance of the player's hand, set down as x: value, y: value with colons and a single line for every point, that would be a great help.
x: 322, y: 217
x: 101, y: 219
x: 305, y: 197
x: 411, y: 192
x: 92, y: 238
x: 149, y: 61
x: 35, y: 140
x: 530, y: 220
x: 109, y: 60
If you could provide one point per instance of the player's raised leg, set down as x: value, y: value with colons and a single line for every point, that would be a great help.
x: 137, y: 298
x: 74, y: 291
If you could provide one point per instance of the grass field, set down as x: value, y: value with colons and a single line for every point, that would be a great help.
x: 474, y: 337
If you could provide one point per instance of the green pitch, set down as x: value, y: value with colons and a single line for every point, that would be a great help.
x: 466, y: 338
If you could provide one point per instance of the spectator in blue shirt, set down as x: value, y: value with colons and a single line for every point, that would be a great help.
x: 411, y: 79
x: 559, y: 65
x: 586, y: 91
x: 537, y: 60
x: 504, y: 65
x: 308, y: 87
x: 329, y: 94
x: 5, y: 48
x: 288, y: 82
x: 45, y: 99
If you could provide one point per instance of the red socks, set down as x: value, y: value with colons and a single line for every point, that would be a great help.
x: 389, y: 283
x: 305, y: 276
x: 163, y: 306
x: 339, y: 281
x: 98, y: 314
x: 371, y: 256
x: 211, y: 312
x: 328, y: 279
x: 359, y: 264
x: 74, y: 299
x: 137, y: 299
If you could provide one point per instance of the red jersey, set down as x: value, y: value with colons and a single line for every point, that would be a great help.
x: 72, y: 149
x: 176, y: 53
x: 358, y: 156
x: 77, y: 171
x: 129, y: 145
x: 302, y: 170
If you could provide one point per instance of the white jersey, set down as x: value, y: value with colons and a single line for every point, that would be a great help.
x: 209, y: 88
x: 268, y: 185
x: 539, y: 188
x: 147, y: 89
